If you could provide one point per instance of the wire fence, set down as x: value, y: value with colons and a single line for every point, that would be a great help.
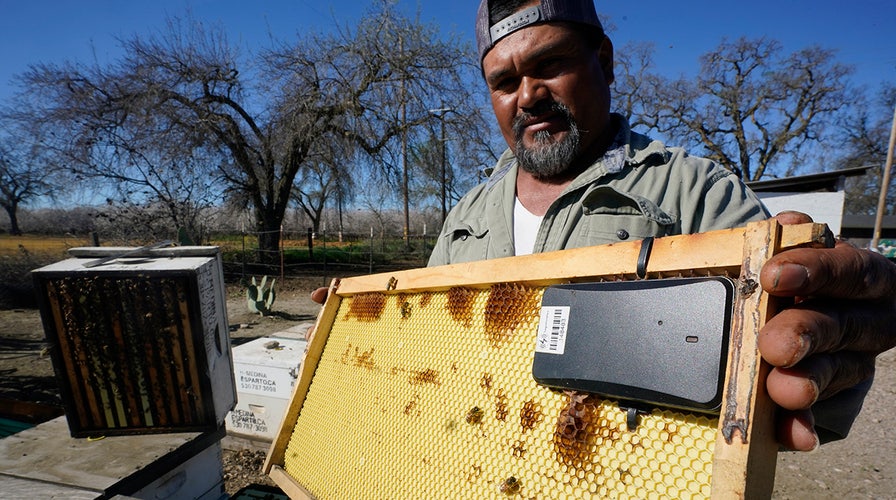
x: 299, y: 253
x: 304, y: 253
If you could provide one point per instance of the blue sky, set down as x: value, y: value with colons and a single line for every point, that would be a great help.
x: 52, y: 31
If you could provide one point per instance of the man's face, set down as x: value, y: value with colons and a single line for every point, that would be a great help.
x: 550, y: 94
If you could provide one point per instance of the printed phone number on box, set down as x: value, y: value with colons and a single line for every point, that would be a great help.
x: 255, y: 381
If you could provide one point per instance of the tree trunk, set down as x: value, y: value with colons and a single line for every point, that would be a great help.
x: 270, y: 222
x: 12, y: 212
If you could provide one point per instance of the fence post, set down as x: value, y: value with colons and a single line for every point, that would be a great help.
x: 323, y: 242
x: 282, y: 254
x: 370, y: 271
x: 310, y: 245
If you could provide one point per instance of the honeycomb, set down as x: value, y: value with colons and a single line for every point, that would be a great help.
x: 430, y: 395
x: 125, y: 353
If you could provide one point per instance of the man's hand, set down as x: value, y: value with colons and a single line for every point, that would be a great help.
x: 319, y: 295
x: 825, y: 344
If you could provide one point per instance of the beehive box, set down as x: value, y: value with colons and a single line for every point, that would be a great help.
x: 265, y: 370
x: 418, y: 384
x: 139, y: 344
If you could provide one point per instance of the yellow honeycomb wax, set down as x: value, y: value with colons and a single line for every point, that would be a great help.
x: 430, y: 395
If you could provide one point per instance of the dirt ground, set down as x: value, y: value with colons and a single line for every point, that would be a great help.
x: 862, y: 466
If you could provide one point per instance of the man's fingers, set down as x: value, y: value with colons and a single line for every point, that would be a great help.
x: 791, y: 217
x: 818, y: 377
x: 796, y: 430
x: 816, y: 326
x: 309, y: 333
x: 843, y: 272
x: 319, y: 295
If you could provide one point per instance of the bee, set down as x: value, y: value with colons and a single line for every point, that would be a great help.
x: 393, y: 282
x: 405, y: 310
x: 747, y: 286
x: 474, y: 416
x: 510, y: 486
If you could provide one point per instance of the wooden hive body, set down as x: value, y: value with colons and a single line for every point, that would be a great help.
x: 142, y: 345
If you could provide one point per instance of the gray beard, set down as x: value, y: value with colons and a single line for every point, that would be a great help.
x: 548, y: 157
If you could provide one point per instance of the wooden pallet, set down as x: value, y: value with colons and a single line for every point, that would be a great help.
x: 417, y: 384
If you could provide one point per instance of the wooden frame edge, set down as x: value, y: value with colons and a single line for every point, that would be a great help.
x: 289, y: 485
x: 746, y: 449
x: 714, y: 252
x: 326, y: 317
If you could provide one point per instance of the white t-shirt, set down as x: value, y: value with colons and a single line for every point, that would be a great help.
x: 525, y: 228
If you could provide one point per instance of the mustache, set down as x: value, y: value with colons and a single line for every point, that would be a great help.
x: 542, y: 108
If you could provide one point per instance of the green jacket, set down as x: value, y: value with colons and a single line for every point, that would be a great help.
x: 640, y: 188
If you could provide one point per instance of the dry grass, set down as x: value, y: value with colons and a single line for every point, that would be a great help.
x: 19, y: 255
x: 39, y: 245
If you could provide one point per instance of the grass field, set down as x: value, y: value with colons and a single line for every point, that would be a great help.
x: 41, y: 245
x: 21, y: 254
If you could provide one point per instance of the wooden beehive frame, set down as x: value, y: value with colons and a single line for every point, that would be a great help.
x: 745, y: 451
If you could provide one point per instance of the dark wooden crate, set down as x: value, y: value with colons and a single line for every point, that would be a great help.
x: 139, y: 346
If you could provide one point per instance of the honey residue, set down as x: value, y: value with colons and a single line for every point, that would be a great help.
x: 428, y: 376
x: 460, y: 304
x: 359, y: 359
x: 364, y: 359
x: 508, y: 305
x: 501, y: 405
x: 367, y: 306
x: 530, y: 415
x: 486, y: 382
x: 578, y: 426
x: 412, y: 404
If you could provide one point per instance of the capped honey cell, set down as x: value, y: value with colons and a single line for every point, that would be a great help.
x: 366, y: 306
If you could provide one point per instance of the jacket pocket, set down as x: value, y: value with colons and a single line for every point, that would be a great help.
x: 467, y: 241
x: 610, y: 215
x: 463, y: 230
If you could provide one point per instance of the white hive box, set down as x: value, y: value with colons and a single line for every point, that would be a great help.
x: 139, y: 344
x: 265, y: 370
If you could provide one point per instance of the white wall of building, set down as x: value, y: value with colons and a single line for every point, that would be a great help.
x: 822, y: 207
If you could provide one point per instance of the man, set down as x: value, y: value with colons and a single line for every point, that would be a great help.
x: 575, y: 175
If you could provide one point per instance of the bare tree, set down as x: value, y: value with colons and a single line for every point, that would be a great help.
x: 114, y: 127
x: 448, y: 157
x: 257, y: 123
x: 320, y: 181
x: 377, y: 85
x: 751, y: 105
x: 636, y: 84
x: 866, y: 129
x: 24, y: 174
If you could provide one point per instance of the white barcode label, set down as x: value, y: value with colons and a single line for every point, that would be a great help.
x: 552, y: 329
